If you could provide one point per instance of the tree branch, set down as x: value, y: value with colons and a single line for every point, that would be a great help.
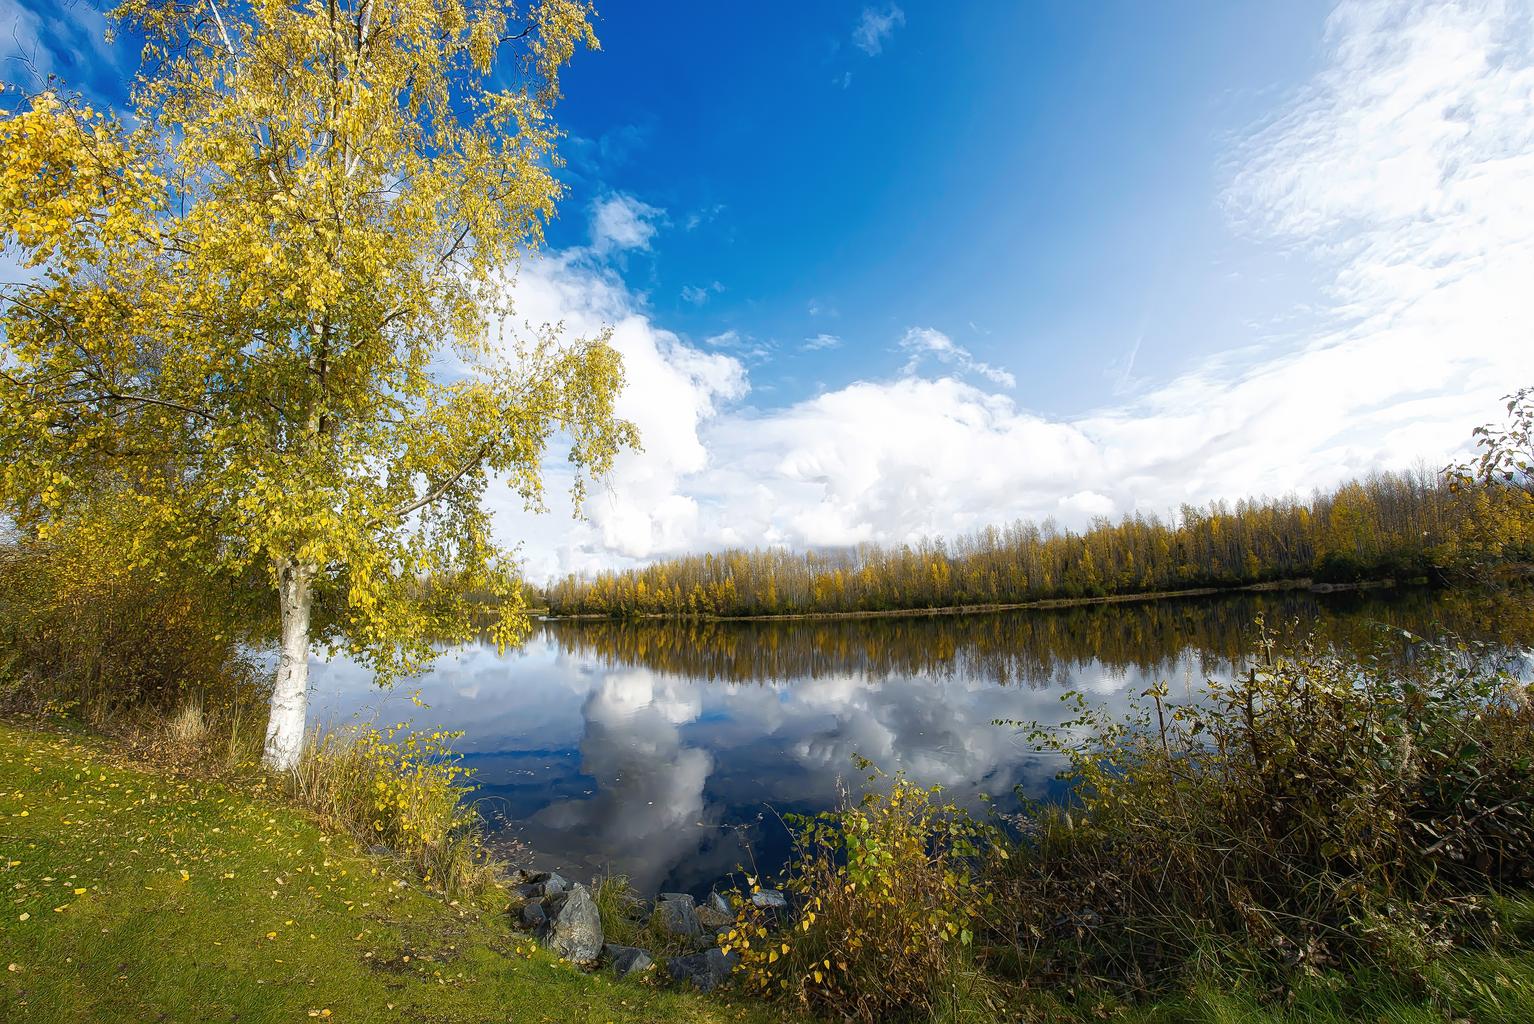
x: 433, y: 493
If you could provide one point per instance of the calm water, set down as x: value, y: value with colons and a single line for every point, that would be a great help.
x: 665, y: 751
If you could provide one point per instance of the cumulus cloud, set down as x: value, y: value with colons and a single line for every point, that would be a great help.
x: 619, y: 222
x: 921, y: 342
x: 1401, y: 171
x: 875, y: 27
x: 671, y: 389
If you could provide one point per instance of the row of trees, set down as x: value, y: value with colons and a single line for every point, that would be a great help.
x: 1048, y: 647
x: 1389, y: 524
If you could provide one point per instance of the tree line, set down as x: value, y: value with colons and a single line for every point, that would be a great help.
x: 1048, y: 647
x: 1386, y: 525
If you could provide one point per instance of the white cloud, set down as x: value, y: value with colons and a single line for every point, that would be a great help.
x: 1403, y: 171
x: 920, y: 342
x: 671, y: 389
x: 820, y: 342
x: 875, y: 27
x: 699, y: 294
x: 619, y: 221
x: 699, y: 217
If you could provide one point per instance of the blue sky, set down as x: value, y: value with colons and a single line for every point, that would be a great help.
x: 888, y: 271
x: 1034, y: 180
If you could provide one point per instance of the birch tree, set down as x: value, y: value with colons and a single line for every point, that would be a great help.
x: 265, y: 307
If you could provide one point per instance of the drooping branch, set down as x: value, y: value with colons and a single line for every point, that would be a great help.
x: 437, y: 490
x: 114, y: 396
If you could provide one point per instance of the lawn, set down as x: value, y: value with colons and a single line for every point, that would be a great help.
x: 134, y: 895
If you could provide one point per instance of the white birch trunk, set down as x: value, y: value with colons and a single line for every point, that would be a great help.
x: 290, y: 696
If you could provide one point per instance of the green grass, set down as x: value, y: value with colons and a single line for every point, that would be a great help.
x: 1494, y: 986
x: 135, y: 895
x: 276, y: 920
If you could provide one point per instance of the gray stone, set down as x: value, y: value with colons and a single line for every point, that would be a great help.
x: 719, y: 903
x: 529, y: 890
x: 533, y: 915
x: 713, y: 920
x: 704, y: 970
x: 576, y: 929
x: 625, y: 960
x: 675, y: 914
x: 770, y: 899
x: 555, y: 883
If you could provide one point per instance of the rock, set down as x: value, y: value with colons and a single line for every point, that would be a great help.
x: 705, y: 970
x: 521, y: 876
x: 770, y: 899
x: 675, y: 914
x: 529, y: 890
x: 712, y: 919
x: 533, y: 915
x: 718, y: 903
x: 575, y: 931
x: 625, y: 960
x: 555, y: 883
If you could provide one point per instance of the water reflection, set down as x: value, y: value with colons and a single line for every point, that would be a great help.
x: 665, y: 750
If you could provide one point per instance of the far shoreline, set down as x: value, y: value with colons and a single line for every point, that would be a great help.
x: 1041, y: 604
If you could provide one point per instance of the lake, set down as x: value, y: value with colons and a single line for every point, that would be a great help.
x: 667, y: 750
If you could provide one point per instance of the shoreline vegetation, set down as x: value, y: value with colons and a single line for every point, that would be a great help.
x: 1371, y: 532
x: 1315, y: 842
x: 1042, y: 604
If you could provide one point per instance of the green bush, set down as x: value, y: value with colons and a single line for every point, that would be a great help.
x: 89, y: 627
x: 889, y: 893
x: 402, y: 789
x: 1316, y: 813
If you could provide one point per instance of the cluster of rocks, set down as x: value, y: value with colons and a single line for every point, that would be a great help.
x: 564, y: 917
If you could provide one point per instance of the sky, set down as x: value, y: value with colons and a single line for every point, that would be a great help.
x: 906, y: 269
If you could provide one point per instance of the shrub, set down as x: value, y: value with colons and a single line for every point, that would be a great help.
x: 87, y: 624
x: 401, y: 789
x: 1316, y: 812
x: 889, y: 894
x: 152, y: 657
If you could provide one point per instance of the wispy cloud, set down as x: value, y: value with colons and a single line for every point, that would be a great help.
x: 704, y: 215
x: 875, y: 27
x: 920, y: 342
x: 57, y: 44
x: 620, y: 222
x: 697, y: 294
x: 820, y: 342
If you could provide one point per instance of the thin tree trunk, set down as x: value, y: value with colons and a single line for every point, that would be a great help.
x: 290, y: 696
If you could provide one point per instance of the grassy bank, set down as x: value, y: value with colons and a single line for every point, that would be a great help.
x: 141, y: 895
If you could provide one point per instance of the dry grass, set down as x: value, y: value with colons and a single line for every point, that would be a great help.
x: 400, y: 789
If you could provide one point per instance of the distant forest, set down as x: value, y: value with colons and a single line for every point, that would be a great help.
x: 1389, y: 525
